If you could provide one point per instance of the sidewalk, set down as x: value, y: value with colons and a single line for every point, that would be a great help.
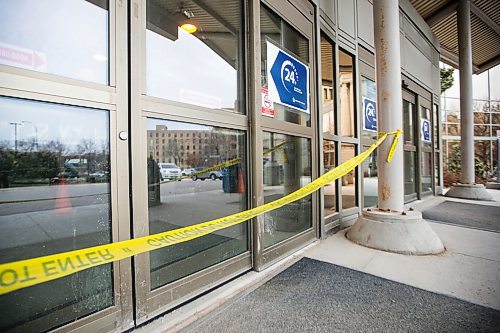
x: 336, y: 285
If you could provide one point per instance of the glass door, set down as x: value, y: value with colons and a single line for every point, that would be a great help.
x: 426, y: 136
x: 287, y: 128
x: 410, y: 146
x: 189, y: 115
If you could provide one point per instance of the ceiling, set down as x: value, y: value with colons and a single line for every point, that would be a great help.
x: 441, y: 16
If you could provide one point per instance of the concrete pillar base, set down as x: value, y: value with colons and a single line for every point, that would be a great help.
x: 469, y: 191
x: 395, y: 232
x: 493, y: 186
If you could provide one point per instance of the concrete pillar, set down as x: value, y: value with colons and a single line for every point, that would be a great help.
x: 466, y: 113
x: 389, y: 98
x: 467, y: 189
x: 389, y: 227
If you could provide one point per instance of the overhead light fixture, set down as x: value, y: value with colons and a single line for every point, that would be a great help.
x: 188, y: 27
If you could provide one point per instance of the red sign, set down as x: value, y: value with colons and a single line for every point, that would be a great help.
x: 267, y: 104
x: 20, y: 57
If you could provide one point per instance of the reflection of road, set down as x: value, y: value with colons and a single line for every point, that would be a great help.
x: 189, y: 202
x: 42, y: 198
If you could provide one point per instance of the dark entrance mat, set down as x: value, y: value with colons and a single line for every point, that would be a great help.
x: 469, y: 215
x: 314, y: 296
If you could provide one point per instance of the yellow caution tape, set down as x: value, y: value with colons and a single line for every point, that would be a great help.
x: 25, y: 273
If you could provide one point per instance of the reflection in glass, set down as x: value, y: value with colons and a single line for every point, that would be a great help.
x: 349, y: 189
x: 179, y: 153
x: 408, y: 122
x: 55, y: 197
x: 437, y: 178
x: 435, y: 119
x: 327, y: 86
x: 426, y: 170
x: 346, y: 95
x: 287, y: 167
x: 409, y: 172
x: 329, y: 189
x: 40, y: 35
x: 370, y: 179
x: 276, y: 30
x: 204, y: 68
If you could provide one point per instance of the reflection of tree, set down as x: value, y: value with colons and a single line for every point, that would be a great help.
x: 175, y: 150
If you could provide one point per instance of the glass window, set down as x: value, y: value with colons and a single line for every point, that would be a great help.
x: 495, y: 83
x: 435, y: 119
x: 482, y: 155
x: 426, y: 170
x: 346, y: 95
x: 409, y: 172
x: 328, y: 86
x: 480, y: 86
x: 349, y: 189
x: 408, y: 122
x: 55, y: 197
x: 370, y: 179
x: 278, y: 32
x: 329, y: 189
x: 369, y: 100
x: 287, y: 167
x: 203, y: 68
x: 67, y: 38
x: 177, y: 201
x: 482, y: 130
x: 425, y: 114
x: 436, y: 169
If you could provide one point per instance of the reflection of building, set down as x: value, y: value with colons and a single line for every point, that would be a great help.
x: 190, y: 148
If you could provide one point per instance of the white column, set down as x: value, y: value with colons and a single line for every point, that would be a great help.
x: 389, y: 98
x: 467, y: 115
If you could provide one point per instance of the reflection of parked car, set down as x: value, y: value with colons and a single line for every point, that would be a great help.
x: 169, y: 171
x: 98, y: 177
x: 63, y: 177
x: 215, y: 174
x: 187, y: 172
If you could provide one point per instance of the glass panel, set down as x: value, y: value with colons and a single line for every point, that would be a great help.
x: 408, y: 122
x: 480, y: 106
x: 370, y: 179
x: 426, y: 171
x: 287, y: 167
x: 198, y: 196
x: 204, y: 68
x: 369, y: 100
x: 346, y: 95
x: 435, y: 119
x: 40, y: 35
x: 495, y: 118
x: 425, y: 113
x: 452, y: 161
x: 480, y: 86
x: 495, y: 83
x: 481, y: 118
x: 328, y: 86
x: 482, y: 130
x: 409, y: 172
x: 329, y: 189
x: 279, y: 32
x: 453, y: 129
x: 55, y: 197
x: 482, y: 154
x: 349, y: 190
x: 436, y: 169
